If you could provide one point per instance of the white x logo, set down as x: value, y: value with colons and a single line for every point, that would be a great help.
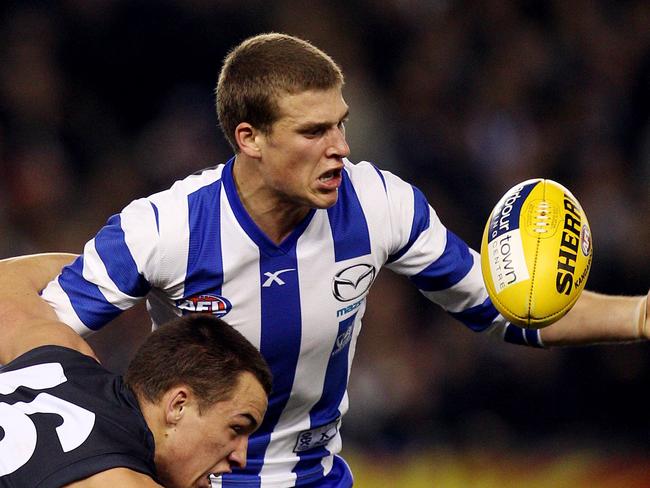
x: 275, y: 277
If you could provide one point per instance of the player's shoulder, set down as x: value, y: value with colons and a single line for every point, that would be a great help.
x: 362, y: 168
x: 184, y: 187
x: 366, y: 176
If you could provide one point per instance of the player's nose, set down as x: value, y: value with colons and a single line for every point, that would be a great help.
x: 338, y: 144
x: 237, y: 457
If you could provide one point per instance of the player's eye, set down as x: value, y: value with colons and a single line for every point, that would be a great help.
x: 315, y: 132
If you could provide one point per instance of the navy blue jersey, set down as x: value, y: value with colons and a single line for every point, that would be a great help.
x: 63, y: 417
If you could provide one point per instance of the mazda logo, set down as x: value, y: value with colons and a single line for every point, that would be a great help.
x: 350, y: 283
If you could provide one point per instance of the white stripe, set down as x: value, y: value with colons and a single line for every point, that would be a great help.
x: 400, y: 208
x: 498, y: 328
x: 468, y: 292
x: 426, y: 249
x: 141, y: 234
x: 173, y: 222
x: 59, y: 301
x: 328, y: 462
x: 240, y: 258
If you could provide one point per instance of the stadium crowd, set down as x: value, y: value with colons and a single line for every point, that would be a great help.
x: 103, y: 101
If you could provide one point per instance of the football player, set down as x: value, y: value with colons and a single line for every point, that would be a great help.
x: 285, y: 240
x: 193, y: 394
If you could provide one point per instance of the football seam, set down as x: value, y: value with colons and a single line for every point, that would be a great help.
x: 559, y: 312
x: 538, y: 240
x: 564, y: 310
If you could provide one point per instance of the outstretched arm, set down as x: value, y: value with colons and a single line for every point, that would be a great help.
x: 26, y: 321
x: 598, y: 318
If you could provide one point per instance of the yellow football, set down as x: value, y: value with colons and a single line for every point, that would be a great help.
x: 536, y: 253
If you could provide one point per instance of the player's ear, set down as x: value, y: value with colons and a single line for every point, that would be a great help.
x: 176, y: 402
x: 247, y: 139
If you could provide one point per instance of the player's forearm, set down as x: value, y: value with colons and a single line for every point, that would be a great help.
x: 22, y: 278
x: 23, y: 332
x: 597, y: 318
x: 36, y: 270
x: 26, y: 321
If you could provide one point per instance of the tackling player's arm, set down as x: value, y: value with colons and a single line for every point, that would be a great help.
x: 597, y: 318
x: 26, y: 321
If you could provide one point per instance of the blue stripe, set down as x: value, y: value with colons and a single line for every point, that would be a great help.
x: 522, y: 337
x: 155, y: 212
x: 111, y: 247
x: 451, y: 267
x: 204, y: 260
x: 87, y: 300
x: 338, y: 477
x: 533, y: 338
x: 477, y: 318
x: 326, y: 409
x: 421, y: 222
x: 348, y: 224
x: 280, y: 339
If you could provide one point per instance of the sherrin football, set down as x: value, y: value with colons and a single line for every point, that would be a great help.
x: 536, y: 253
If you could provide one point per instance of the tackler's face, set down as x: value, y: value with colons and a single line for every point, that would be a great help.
x: 213, y: 441
x: 302, y: 156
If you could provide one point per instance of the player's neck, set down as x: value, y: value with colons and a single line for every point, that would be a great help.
x: 277, y: 217
x: 154, y: 417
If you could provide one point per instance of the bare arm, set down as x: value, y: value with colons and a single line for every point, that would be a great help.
x: 598, y: 318
x: 26, y: 321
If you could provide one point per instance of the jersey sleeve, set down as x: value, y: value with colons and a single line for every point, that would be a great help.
x: 116, y: 270
x: 442, y: 266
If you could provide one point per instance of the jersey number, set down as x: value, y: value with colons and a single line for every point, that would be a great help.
x: 19, y: 441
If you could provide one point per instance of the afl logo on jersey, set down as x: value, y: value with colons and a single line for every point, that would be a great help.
x: 213, y: 304
x: 350, y: 283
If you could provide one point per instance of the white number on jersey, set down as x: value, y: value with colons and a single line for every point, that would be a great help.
x: 19, y: 441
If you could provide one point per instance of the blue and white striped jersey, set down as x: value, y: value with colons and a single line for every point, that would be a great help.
x: 193, y: 248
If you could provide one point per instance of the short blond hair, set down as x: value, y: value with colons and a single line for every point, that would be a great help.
x: 262, y: 68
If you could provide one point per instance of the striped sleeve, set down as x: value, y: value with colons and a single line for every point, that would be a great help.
x: 112, y: 273
x: 442, y: 266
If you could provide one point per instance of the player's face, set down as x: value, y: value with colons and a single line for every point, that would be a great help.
x: 215, y: 440
x: 302, y: 156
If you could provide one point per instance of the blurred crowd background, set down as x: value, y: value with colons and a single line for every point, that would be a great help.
x: 103, y: 101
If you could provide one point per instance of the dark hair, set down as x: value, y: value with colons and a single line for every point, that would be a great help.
x: 259, y: 70
x: 200, y: 351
